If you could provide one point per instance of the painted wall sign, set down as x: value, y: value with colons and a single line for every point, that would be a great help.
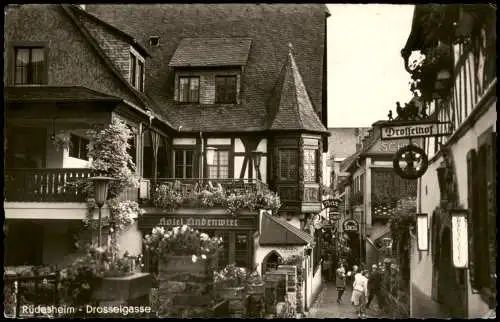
x: 414, y: 130
x: 350, y: 225
x: 148, y: 221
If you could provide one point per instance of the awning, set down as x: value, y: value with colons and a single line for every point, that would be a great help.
x: 379, y: 232
x: 276, y: 231
x: 19, y: 94
x: 211, y: 52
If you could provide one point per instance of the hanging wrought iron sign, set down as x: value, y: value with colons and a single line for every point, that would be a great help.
x: 410, y: 162
x: 412, y: 121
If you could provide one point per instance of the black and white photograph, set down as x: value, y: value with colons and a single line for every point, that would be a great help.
x: 250, y: 160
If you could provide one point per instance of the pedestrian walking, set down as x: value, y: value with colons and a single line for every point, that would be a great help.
x: 328, y: 268
x: 360, y: 293
x: 340, y: 281
x: 374, y: 284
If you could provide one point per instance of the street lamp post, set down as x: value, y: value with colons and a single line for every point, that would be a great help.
x: 101, y: 185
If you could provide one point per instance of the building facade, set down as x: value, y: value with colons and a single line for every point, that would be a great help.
x: 372, y: 191
x: 219, y: 93
x: 462, y: 167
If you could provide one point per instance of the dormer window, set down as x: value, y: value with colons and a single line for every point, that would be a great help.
x: 137, y: 71
x: 189, y: 89
x: 209, y: 71
x: 225, y: 89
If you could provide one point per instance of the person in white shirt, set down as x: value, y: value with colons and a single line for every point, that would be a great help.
x: 360, y: 292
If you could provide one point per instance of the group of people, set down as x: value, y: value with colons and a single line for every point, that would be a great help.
x: 365, y: 286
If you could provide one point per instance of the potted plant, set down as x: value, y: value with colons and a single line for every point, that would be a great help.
x: 182, y: 249
x: 231, y: 282
x: 255, y: 284
x: 99, y: 276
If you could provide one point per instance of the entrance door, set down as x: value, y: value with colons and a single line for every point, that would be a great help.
x: 451, y: 283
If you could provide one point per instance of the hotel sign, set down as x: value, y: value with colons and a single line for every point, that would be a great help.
x: 393, y: 131
x: 148, y: 221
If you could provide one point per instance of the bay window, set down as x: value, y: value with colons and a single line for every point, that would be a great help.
x: 288, y: 162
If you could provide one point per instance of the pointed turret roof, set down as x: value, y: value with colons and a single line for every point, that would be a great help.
x: 290, y: 102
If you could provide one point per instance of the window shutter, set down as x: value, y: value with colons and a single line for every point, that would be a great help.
x: 473, y: 212
x: 491, y: 208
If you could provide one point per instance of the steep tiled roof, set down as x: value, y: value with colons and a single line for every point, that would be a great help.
x: 142, y: 98
x: 270, y: 26
x: 206, y: 52
x: 276, y: 231
x: 56, y: 94
x: 291, y: 103
x: 114, y: 30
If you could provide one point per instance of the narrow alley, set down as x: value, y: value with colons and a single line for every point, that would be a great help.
x: 326, y: 305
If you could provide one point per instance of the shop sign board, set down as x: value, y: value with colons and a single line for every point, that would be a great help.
x: 350, y: 225
x: 394, y: 130
x: 331, y: 203
x: 148, y: 221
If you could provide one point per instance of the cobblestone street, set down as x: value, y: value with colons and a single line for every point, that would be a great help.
x: 326, y: 305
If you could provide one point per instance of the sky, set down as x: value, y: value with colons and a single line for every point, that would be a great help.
x: 366, y: 74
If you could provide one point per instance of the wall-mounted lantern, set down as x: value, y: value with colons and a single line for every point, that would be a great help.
x: 210, y: 154
x: 459, y: 237
x: 423, y: 232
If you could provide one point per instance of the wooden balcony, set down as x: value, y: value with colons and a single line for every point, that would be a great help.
x: 44, y: 185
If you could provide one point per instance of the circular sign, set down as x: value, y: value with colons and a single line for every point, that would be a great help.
x: 350, y: 225
x: 410, y: 162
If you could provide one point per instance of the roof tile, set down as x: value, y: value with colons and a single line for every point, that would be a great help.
x: 206, y: 52
x: 291, y: 102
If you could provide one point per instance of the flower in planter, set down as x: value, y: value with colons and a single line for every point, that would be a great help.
x: 231, y: 276
x: 181, y: 240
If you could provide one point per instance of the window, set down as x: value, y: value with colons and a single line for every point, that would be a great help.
x: 481, y: 168
x: 29, y: 65
x: 136, y: 72
x: 183, y: 163
x: 219, y: 167
x: 154, y: 41
x: 225, y: 89
x: 78, y: 147
x: 310, y: 165
x: 288, y: 164
x: 189, y: 89
x: 242, y: 250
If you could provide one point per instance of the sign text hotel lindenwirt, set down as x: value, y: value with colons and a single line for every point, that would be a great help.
x: 391, y: 132
x: 199, y: 222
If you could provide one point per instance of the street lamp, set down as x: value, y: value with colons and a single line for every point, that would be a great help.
x: 101, y: 184
x: 423, y: 232
x: 460, y: 249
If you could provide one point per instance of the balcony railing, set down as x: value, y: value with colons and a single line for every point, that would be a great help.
x: 186, y: 186
x: 44, y: 185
